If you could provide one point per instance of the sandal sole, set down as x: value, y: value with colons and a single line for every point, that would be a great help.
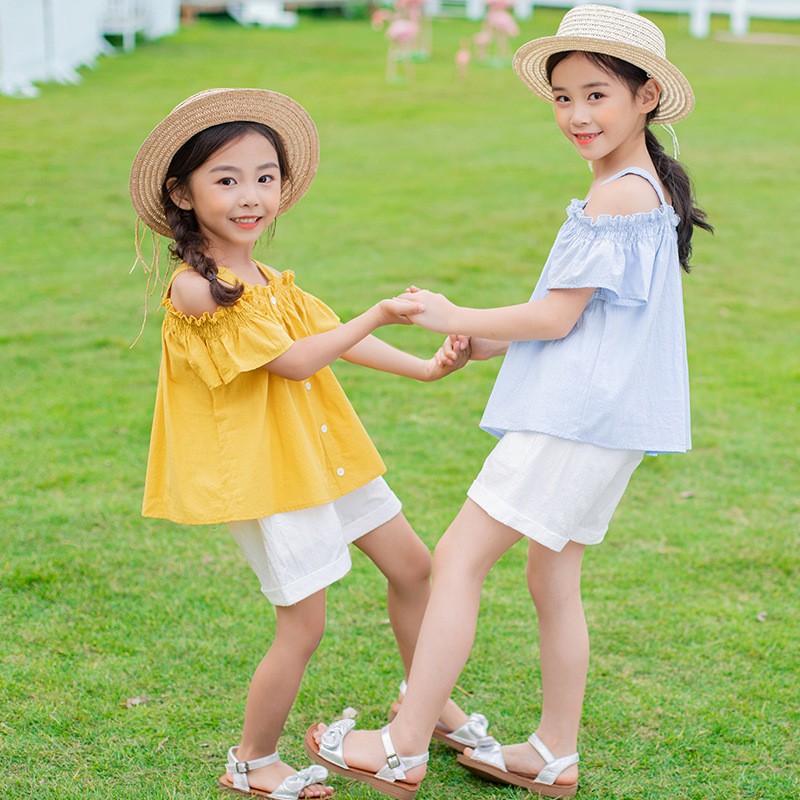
x: 495, y: 775
x: 225, y: 786
x: 444, y: 737
x: 400, y: 790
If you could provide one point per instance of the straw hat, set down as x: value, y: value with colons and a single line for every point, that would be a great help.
x: 213, y: 107
x: 614, y: 32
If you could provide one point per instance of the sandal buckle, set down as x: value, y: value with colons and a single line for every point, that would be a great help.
x: 242, y: 767
x: 393, y: 760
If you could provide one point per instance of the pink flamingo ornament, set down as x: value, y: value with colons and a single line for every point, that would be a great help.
x: 499, y: 27
x: 463, y: 57
x: 482, y: 39
x: 408, y: 34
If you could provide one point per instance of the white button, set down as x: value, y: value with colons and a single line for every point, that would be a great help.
x: 274, y: 301
x: 324, y: 428
x: 308, y: 385
x: 340, y: 472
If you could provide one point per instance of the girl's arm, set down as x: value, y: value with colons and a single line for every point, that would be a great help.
x: 550, y: 317
x: 479, y: 349
x: 310, y: 354
x: 191, y: 296
x: 375, y: 353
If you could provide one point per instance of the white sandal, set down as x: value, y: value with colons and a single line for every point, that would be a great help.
x: 290, y: 789
x: 487, y: 762
x: 390, y: 779
x: 468, y: 735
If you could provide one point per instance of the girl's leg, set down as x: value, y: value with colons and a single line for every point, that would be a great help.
x: 274, y: 688
x: 554, y: 581
x: 463, y: 558
x: 405, y: 561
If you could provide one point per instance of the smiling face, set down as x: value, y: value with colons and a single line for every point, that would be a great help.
x: 235, y: 195
x: 599, y: 113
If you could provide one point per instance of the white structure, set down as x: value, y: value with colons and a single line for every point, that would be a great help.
x: 271, y: 13
x: 739, y: 11
x: 44, y: 40
x: 152, y: 18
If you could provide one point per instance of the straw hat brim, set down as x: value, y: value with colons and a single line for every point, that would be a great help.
x: 214, y: 107
x: 677, y: 97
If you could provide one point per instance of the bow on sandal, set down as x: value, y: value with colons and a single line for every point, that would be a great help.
x: 487, y: 762
x: 468, y: 735
x: 290, y: 789
x: 389, y: 780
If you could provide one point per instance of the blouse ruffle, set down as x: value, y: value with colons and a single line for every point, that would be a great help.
x: 247, y: 335
x: 616, y: 255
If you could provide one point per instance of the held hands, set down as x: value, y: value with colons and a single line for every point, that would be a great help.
x: 437, y: 310
x: 456, y: 349
x: 452, y: 355
x: 396, y: 310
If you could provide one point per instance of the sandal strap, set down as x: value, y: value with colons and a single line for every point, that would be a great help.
x: 396, y: 766
x: 239, y: 769
x: 291, y: 788
x: 331, y: 745
x: 489, y: 751
x: 243, y: 767
x: 472, y: 731
x: 553, y: 766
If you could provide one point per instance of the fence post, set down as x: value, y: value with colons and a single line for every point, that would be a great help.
x: 476, y: 9
x: 523, y: 9
x: 700, y: 19
x: 740, y: 18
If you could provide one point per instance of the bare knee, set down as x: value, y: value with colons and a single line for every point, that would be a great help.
x: 400, y: 555
x: 451, y: 560
x: 414, y: 566
x: 554, y: 579
x: 300, y: 628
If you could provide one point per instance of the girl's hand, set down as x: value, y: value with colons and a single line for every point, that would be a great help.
x: 396, y: 310
x: 452, y: 355
x: 437, y: 309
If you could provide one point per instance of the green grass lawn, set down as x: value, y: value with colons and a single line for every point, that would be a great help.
x: 460, y: 186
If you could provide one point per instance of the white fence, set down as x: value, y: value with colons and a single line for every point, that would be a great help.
x: 739, y: 11
x: 42, y: 40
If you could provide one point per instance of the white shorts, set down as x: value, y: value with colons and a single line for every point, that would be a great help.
x: 297, y: 553
x: 553, y: 490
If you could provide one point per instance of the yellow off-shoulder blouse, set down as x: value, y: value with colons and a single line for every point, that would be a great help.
x: 231, y: 441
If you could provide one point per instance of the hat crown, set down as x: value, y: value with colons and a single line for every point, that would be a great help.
x: 614, y: 25
x: 196, y: 97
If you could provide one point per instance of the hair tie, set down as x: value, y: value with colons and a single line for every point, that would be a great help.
x: 212, y: 278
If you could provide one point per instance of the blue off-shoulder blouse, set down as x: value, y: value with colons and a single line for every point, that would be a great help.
x: 620, y: 378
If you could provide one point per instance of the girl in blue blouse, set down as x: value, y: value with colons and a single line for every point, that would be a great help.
x: 595, y: 376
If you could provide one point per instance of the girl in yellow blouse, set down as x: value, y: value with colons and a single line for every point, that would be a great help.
x: 251, y: 427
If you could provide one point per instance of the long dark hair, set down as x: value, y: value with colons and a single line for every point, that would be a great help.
x: 190, y: 245
x: 669, y: 170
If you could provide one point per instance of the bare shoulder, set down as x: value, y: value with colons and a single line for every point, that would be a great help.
x: 191, y: 295
x: 630, y: 194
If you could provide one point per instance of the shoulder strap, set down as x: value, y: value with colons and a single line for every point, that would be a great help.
x: 642, y: 173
